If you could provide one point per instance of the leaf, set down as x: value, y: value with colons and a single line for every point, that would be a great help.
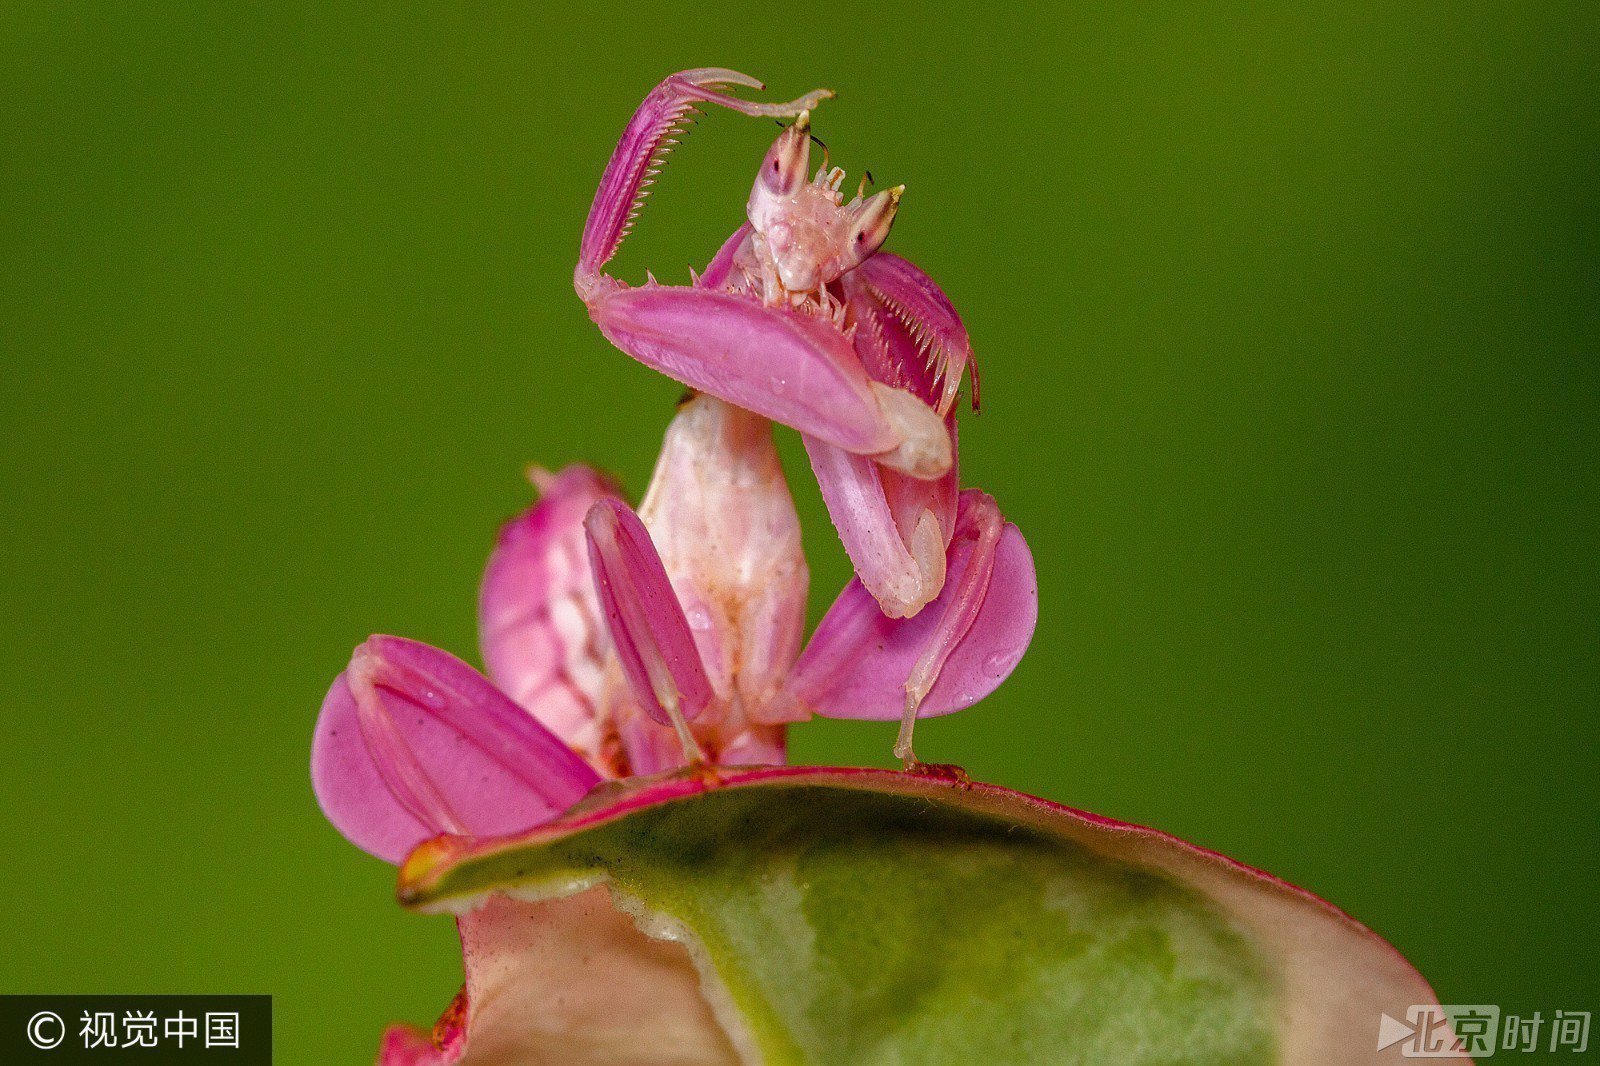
x: 871, y: 916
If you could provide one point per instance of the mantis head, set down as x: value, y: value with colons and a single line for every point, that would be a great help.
x: 807, y: 235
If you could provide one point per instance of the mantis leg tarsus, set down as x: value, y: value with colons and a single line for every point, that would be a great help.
x: 982, y: 522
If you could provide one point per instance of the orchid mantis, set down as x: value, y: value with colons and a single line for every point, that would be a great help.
x: 800, y: 318
x: 623, y: 643
x: 613, y: 782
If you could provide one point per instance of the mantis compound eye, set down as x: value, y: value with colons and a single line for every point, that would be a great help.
x: 783, y: 171
x: 871, y: 221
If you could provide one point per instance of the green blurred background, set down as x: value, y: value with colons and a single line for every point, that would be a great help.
x: 1288, y: 325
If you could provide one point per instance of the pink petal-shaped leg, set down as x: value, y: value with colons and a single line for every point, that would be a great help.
x: 978, y: 530
x: 908, y: 337
x: 861, y: 664
x: 653, y: 642
x: 907, y: 331
x: 639, y: 154
x: 895, y: 529
x: 412, y: 742
x: 543, y: 640
x: 790, y: 367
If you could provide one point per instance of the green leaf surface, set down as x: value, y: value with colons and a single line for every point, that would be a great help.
x: 876, y: 917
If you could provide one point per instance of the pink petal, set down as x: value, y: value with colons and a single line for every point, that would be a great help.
x: 648, y: 629
x: 412, y: 742
x: 858, y: 661
x: 907, y: 332
x: 539, y: 622
x: 790, y: 367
